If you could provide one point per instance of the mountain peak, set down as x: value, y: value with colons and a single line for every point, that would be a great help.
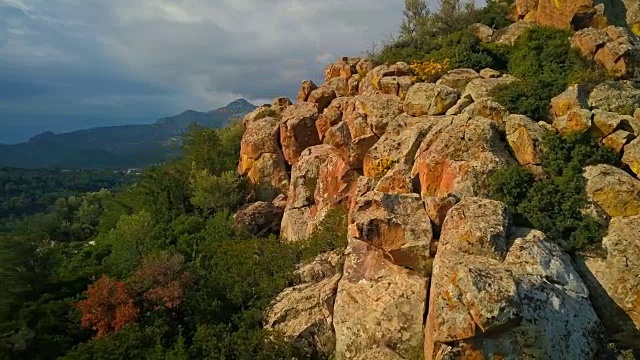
x: 237, y: 106
x: 43, y: 136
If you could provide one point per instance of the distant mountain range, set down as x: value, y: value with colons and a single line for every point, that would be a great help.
x: 116, y: 147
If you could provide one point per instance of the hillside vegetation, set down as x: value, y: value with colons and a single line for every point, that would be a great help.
x: 386, y: 210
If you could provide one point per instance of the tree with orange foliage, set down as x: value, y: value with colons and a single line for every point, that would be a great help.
x: 108, y: 308
x: 161, y: 280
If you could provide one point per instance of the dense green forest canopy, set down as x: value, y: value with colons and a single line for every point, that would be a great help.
x: 152, y: 271
x: 31, y: 191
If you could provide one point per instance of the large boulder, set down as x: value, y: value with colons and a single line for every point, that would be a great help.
x: 374, y: 83
x: 352, y: 150
x: 343, y: 67
x: 614, y: 280
x: 562, y: 14
x: 379, y: 110
x: 577, y: 121
x: 398, y: 146
x: 482, y: 32
x: 490, y: 109
x: 622, y: 97
x: 505, y: 293
x: 430, y: 99
x: 458, y: 156
x: 575, y: 97
x: 481, y: 88
x: 305, y: 90
x: 615, y: 191
x: 330, y: 117
x: 396, y: 224
x: 320, y: 181
x: 261, y: 159
x: 378, y: 304
x: 322, y: 97
x: 510, y: 34
x: 524, y: 137
x: 298, y: 130
x: 618, y: 140
x: 458, y: 78
x: 304, y: 312
x: 615, y: 48
x: 631, y: 156
x: 260, y: 218
x: 396, y: 181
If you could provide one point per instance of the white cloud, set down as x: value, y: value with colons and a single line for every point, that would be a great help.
x: 18, y: 4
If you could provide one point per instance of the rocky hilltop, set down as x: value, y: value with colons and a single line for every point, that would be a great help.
x: 434, y: 267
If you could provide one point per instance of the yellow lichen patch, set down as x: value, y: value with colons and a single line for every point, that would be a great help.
x: 381, y: 167
x: 563, y: 107
x: 429, y: 71
x: 558, y: 4
x: 618, y: 204
x: 375, y: 81
x: 635, y: 28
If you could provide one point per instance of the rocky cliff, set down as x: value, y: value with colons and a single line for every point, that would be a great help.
x: 433, y: 267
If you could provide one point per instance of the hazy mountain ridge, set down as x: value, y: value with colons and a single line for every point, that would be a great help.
x: 116, y: 146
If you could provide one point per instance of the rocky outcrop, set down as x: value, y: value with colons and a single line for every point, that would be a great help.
x: 577, y: 121
x: 508, y: 293
x: 396, y: 224
x: 386, y: 79
x: 562, y: 14
x: 618, y: 140
x: 378, y: 304
x: 615, y: 191
x: 511, y: 34
x: 490, y: 109
x: 430, y: 99
x: 614, y: 280
x: 524, y: 137
x: 621, y: 97
x: 631, y: 156
x: 615, y: 48
x: 304, y: 312
x: 320, y: 181
x: 261, y: 160
x: 481, y: 88
x: 298, y: 130
x: 260, y: 218
x: 398, y: 146
x: 482, y: 32
x: 379, y: 110
x: 458, y: 79
x: 458, y: 155
x: 322, y: 97
x: 396, y: 181
x: 575, y: 97
x: 305, y: 90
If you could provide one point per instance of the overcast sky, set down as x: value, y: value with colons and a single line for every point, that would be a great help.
x: 72, y: 64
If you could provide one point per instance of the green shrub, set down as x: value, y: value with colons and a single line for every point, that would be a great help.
x: 555, y: 205
x: 573, y: 152
x: 494, y: 14
x: 461, y: 48
x: 511, y: 184
x: 330, y: 235
x: 542, y: 58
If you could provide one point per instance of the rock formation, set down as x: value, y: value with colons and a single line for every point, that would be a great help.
x: 434, y: 268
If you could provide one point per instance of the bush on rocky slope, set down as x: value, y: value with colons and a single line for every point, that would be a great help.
x: 543, y: 60
x: 556, y: 204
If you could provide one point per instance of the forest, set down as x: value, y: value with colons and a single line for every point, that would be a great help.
x: 154, y: 270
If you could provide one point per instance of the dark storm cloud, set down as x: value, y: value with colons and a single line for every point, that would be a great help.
x: 118, y: 61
